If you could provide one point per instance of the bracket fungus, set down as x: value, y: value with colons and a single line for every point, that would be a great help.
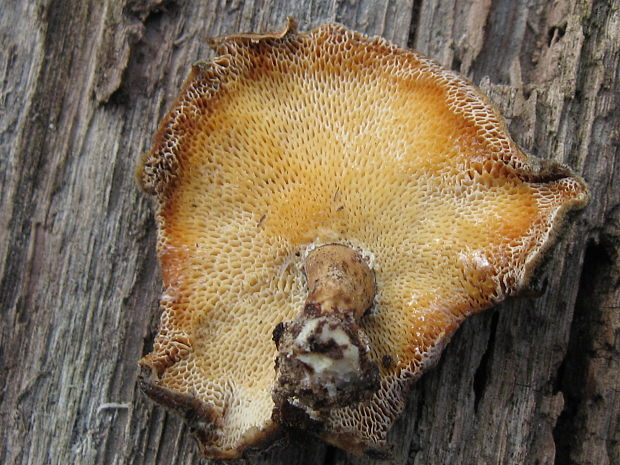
x: 333, y: 206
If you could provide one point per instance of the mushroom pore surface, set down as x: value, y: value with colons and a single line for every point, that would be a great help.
x: 284, y: 143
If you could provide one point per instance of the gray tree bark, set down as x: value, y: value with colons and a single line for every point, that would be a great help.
x: 84, y: 84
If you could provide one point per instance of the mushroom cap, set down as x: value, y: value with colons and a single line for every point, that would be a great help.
x: 288, y: 141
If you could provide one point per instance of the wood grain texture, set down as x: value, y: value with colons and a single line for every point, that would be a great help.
x: 83, y: 87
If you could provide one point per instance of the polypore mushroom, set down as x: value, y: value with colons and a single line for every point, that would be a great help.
x: 352, y: 200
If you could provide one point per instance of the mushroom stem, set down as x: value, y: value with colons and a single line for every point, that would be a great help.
x: 339, y: 280
x: 322, y: 360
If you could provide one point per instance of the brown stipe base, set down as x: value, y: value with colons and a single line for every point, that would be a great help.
x: 322, y: 360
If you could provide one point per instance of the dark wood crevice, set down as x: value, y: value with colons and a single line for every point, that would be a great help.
x: 586, y: 376
x: 482, y: 372
x: 416, y: 10
x: 571, y: 380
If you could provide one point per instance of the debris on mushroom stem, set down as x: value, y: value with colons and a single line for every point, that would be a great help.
x: 322, y: 363
x: 323, y: 355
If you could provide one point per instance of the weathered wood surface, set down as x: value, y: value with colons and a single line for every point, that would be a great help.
x: 84, y: 84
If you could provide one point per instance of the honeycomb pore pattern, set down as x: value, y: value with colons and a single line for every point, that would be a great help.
x: 285, y: 142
